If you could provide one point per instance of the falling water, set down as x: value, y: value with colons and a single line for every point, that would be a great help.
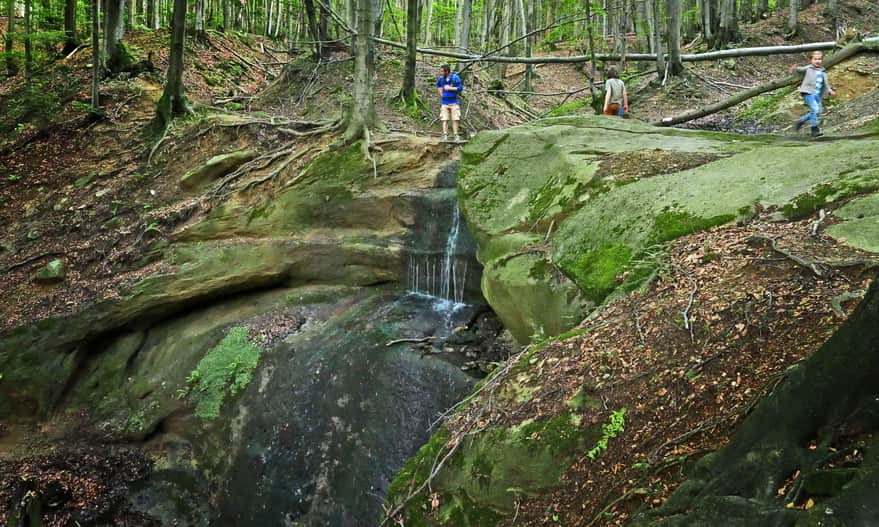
x: 441, y: 276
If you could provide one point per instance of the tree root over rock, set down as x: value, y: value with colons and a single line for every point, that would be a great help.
x: 800, y: 441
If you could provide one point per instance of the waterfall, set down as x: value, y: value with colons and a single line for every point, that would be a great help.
x: 443, y: 277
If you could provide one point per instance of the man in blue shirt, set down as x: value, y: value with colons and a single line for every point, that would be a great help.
x: 448, y: 86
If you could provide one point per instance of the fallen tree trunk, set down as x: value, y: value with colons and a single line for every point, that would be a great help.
x: 836, y: 58
x: 694, y: 57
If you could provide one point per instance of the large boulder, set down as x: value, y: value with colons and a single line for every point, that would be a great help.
x: 567, y: 211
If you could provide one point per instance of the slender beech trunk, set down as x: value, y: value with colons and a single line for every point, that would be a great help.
x: 657, y: 40
x: 529, y: 68
x: 504, y: 44
x: 199, y: 17
x: 707, y: 30
x: 11, y: 65
x: 173, y: 101
x: 832, y: 12
x: 591, y: 39
x: 70, y: 38
x: 227, y: 15
x: 747, y: 11
x: 792, y: 18
x: 763, y: 10
x: 313, y: 29
x: 28, y: 62
x: 676, y: 67
x: 361, y: 116
x: 427, y: 35
x: 408, y: 92
x: 132, y: 11
x: 379, y: 17
x: 96, y: 59
x: 728, y: 24
x: 113, y: 31
x: 487, y: 9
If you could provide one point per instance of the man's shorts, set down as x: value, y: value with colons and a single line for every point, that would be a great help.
x: 450, y: 111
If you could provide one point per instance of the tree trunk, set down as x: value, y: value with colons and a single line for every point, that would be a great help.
x: 747, y: 11
x: 728, y: 24
x: 824, y: 409
x: 707, y: 30
x: 70, y: 39
x: 408, y: 92
x: 832, y: 13
x: 96, y: 58
x: 763, y: 10
x: 619, y: 33
x: 227, y: 15
x: 504, y: 44
x: 323, y: 26
x: 132, y: 12
x: 113, y: 30
x: 361, y: 116
x: 792, y: 18
x: 173, y: 101
x: 427, y: 35
x: 486, y: 24
x: 11, y: 65
x: 532, y: 22
x: 675, y: 67
x: 28, y: 62
x: 313, y: 29
x: 199, y: 17
x: 657, y: 41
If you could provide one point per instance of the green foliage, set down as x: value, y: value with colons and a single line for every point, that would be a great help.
x: 670, y: 224
x: 224, y: 370
x: 764, y: 106
x: 37, y: 103
x: 609, y: 431
x: 570, y: 107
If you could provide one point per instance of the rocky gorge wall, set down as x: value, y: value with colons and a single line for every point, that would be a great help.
x: 571, y: 214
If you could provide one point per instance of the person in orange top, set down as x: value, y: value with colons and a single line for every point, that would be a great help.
x: 615, y: 96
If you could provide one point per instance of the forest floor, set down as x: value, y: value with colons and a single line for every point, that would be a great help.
x: 99, y: 196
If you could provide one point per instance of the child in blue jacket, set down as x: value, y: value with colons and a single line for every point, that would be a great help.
x: 815, y: 85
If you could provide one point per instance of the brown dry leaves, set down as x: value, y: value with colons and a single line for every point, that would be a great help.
x: 754, y: 313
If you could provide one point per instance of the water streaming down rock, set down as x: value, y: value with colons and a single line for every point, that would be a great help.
x: 442, y: 276
x: 442, y: 261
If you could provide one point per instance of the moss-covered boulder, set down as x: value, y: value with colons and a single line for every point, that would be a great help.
x: 567, y: 211
x: 52, y: 273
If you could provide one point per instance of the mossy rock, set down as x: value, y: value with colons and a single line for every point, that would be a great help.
x: 52, y: 273
x: 525, y: 186
x: 861, y: 226
x: 481, y: 482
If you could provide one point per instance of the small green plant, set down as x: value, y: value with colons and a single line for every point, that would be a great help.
x: 224, y: 370
x: 609, y: 431
x: 81, y: 106
x: 152, y: 228
x: 13, y: 178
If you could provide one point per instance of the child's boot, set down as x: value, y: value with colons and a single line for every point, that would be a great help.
x: 800, y: 124
x: 816, y: 132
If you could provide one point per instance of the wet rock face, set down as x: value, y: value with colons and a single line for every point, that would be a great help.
x: 258, y: 373
x: 337, y: 413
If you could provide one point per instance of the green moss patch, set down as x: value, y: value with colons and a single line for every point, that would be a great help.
x: 670, y: 225
x: 224, y: 371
